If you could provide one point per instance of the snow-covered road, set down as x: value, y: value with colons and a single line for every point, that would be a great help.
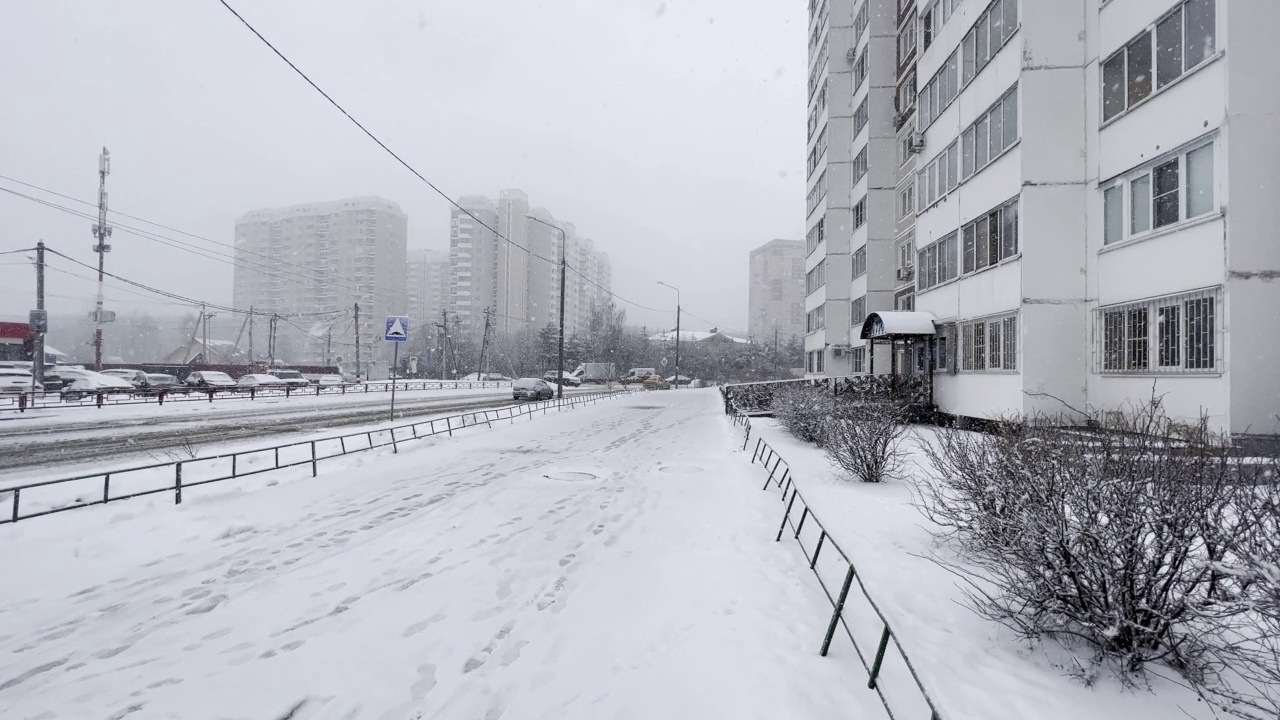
x: 616, y: 561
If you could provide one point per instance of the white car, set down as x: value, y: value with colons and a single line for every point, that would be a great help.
x: 88, y: 382
x: 292, y: 378
x: 257, y: 380
x: 329, y: 380
x: 17, y: 380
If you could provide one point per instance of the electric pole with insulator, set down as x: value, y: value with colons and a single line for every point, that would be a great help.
x: 101, y: 232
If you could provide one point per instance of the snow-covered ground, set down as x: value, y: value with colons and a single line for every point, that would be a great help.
x: 974, y: 669
x: 614, y: 561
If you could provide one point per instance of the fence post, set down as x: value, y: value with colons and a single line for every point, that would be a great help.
x: 786, y: 475
x: 785, y: 517
x: 106, y: 488
x: 800, y: 525
x: 747, y: 439
x: 875, y: 666
x: 99, y: 401
x: 835, y: 617
x: 17, y: 493
x: 313, y: 458
x: 448, y: 422
x: 210, y: 394
x: 394, y: 448
x: 233, y: 465
x: 757, y: 451
x: 277, y: 457
x: 342, y: 443
x: 821, y: 538
x: 177, y: 484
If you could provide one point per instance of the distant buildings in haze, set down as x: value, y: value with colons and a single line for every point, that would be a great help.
x: 777, y: 290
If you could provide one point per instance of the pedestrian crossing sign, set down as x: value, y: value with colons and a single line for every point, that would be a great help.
x: 397, y: 328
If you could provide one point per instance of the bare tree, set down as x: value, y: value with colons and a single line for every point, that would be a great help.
x: 865, y: 439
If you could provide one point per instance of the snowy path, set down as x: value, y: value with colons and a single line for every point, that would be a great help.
x: 611, y: 562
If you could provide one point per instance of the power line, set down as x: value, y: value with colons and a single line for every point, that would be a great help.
x: 15, y: 252
x: 216, y: 256
x: 409, y: 167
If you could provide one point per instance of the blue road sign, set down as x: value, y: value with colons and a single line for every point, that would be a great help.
x: 397, y: 328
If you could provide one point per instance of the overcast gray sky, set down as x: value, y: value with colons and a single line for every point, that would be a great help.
x: 672, y: 133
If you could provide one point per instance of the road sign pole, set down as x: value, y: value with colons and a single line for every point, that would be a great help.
x: 395, y: 365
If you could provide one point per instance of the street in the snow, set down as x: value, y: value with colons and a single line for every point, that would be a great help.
x: 614, y: 561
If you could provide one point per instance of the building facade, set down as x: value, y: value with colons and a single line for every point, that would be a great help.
x: 522, y: 289
x: 1062, y: 178
x: 309, y: 265
x: 427, y: 286
x: 777, y: 290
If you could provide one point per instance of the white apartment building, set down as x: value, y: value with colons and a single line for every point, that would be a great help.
x: 305, y: 261
x: 776, y: 290
x: 427, y: 285
x: 1075, y: 235
x: 521, y: 289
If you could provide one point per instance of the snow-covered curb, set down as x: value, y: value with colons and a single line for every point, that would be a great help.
x: 972, y: 668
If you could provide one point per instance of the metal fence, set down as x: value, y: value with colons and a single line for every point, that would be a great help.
x: 55, y: 400
x: 100, y: 488
x: 909, y: 690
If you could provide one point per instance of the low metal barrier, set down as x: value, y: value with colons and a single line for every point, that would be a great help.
x: 757, y: 397
x: 772, y: 462
x: 56, y: 400
x: 176, y: 475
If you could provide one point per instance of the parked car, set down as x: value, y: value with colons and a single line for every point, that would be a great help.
x: 655, y: 383
x: 565, y: 378
x: 292, y: 378
x: 531, y: 389
x: 162, y: 381
x: 136, y: 378
x: 88, y: 382
x: 260, y: 380
x: 329, y: 380
x: 210, y: 379
x: 683, y: 380
x: 17, y: 380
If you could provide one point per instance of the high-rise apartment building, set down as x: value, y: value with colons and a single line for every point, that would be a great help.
x: 777, y: 290
x: 1080, y: 201
x: 310, y: 265
x: 522, y: 289
x: 427, y: 285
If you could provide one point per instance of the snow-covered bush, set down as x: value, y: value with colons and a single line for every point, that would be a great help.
x: 804, y: 411
x: 865, y: 440
x: 1116, y: 535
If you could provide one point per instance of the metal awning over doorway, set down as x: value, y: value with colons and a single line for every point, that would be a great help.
x: 898, y: 326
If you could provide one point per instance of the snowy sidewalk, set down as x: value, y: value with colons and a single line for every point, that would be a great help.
x: 616, y: 561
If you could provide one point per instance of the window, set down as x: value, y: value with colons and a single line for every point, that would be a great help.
x: 860, y: 213
x: 907, y: 201
x: 1172, y: 47
x: 817, y: 193
x: 860, y: 262
x: 944, y: 349
x: 989, y: 344
x: 1173, y: 189
x: 994, y: 28
x: 907, y: 41
x: 858, y: 357
x: 906, y: 97
x: 936, y: 263
x: 860, y: 21
x: 1174, y: 334
x: 938, y: 93
x: 860, y: 70
x: 933, y: 18
x: 859, y: 167
x: 991, y: 238
x: 821, y: 360
x: 940, y: 176
x: 858, y: 311
x: 819, y: 151
x: 815, y: 278
x: 904, y: 300
x: 816, y: 319
x: 815, y: 236
x: 860, y: 117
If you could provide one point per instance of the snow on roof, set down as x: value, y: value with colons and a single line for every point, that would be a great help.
x: 880, y: 324
x: 696, y: 336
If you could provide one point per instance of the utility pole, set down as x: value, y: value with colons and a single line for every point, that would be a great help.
x: 775, y: 348
x: 673, y: 287
x: 204, y: 335
x: 444, y: 344
x: 101, y: 232
x: 250, y: 368
x: 357, y: 342
x: 328, y: 345
x: 271, y: 342
x: 484, y: 346
x: 39, y: 322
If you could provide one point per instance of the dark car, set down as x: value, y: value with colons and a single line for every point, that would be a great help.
x: 531, y: 389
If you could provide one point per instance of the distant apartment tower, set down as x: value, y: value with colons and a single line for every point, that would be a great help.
x: 777, y: 291
x: 427, y: 284
x: 522, y: 289
x: 310, y: 265
x: 1059, y: 179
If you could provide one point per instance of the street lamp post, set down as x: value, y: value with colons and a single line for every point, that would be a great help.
x: 563, y: 267
x: 673, y: 287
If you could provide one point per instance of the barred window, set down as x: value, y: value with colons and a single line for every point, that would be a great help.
x: 1172, y: 334
x: 990, y: 344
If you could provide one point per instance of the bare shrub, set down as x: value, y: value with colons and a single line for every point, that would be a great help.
x: 865, y: 440
x: 1115, y: 535
x: 804, y: 411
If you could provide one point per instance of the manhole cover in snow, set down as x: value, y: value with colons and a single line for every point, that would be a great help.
x: 680, y: 469
x: 570, y: 476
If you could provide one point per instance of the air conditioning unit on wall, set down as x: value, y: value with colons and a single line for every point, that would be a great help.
x: 917, y: 142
